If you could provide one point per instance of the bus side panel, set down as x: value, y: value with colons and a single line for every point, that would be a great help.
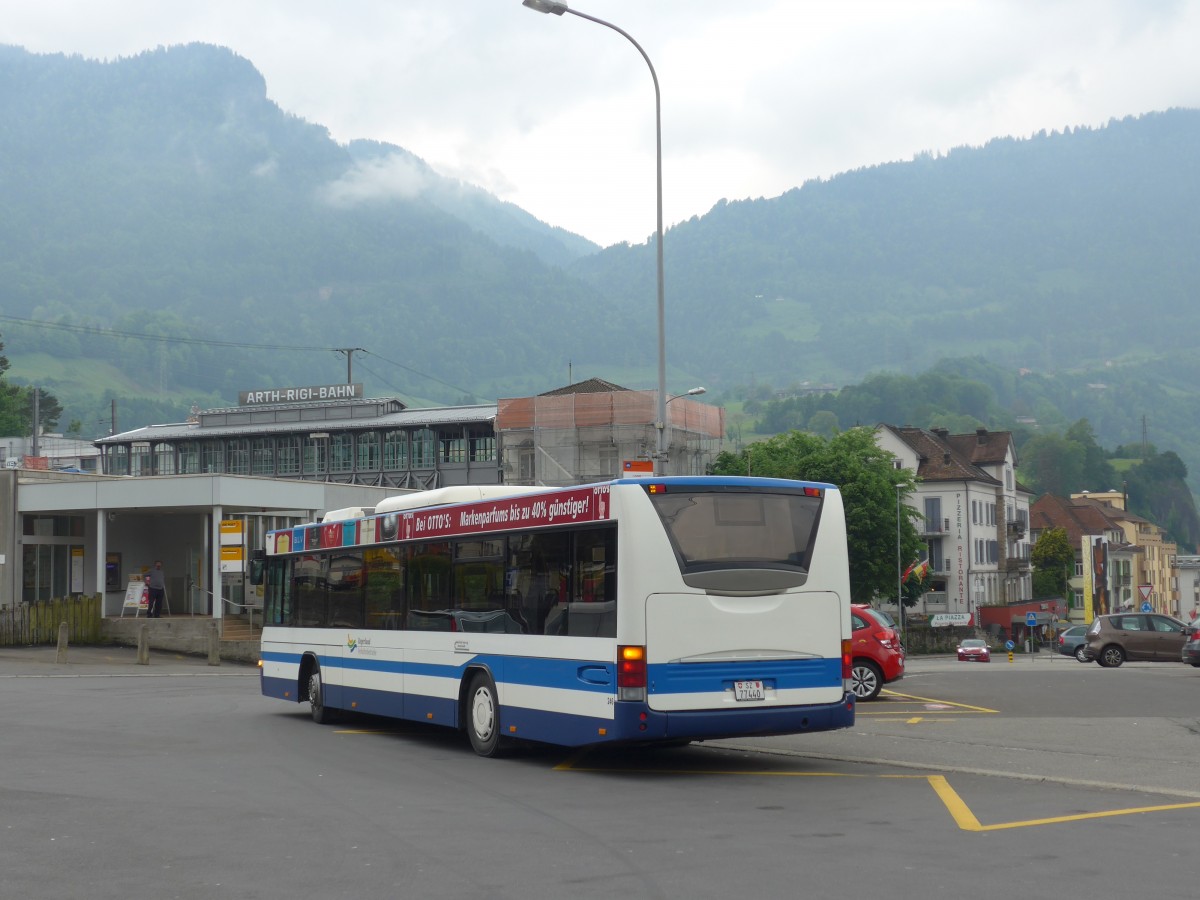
x: 283, y: 650
x: 280, y: 673
x: 374, y: 684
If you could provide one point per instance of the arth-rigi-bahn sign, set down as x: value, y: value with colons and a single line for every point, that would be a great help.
x: 301, y: 394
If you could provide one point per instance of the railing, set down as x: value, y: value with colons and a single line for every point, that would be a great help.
x: 935, y: 525
x: 217, y: 598
x: 38, y: 623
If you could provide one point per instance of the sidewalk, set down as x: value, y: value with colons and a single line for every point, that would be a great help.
x: 42, y: 661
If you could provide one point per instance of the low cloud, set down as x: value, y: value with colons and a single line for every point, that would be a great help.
x: 377, y: 180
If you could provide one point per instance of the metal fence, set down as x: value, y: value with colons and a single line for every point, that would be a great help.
x: 38, y: 623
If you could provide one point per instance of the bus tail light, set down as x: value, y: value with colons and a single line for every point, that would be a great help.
x: 847, y: 659
x: 631, y: 672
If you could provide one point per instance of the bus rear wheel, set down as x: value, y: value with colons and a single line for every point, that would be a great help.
x: 483, y: 715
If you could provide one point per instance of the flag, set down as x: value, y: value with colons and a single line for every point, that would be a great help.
x: 920, y: 569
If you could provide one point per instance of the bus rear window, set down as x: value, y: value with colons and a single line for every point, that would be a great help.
x: 739, y: 529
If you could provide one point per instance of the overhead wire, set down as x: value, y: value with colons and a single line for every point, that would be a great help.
x: 96, y: 331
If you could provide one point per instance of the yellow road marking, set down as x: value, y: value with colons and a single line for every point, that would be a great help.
x: 965, y: 819
x: 982, y: 709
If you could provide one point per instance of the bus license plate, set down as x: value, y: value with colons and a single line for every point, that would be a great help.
x: 748, y: 690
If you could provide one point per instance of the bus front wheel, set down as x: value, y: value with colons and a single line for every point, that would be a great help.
x: 321, y: 713
x: 483, y: 715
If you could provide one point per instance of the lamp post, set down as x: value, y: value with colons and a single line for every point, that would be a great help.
x: 899, y: 568
x: 557, y: 8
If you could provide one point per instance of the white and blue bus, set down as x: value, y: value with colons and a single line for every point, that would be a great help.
x: 638, y: 610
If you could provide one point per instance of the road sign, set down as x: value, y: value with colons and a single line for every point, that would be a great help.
x: 1146, y: 607
x: 1031, y: 619
x: 1009, y: 645
x: 1144, y: 590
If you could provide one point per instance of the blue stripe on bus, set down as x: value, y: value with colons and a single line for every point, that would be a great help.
x: 714, y: 677
x: 599, y: 677
x: 568, y: 674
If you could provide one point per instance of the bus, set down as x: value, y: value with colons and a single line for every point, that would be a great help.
x: 635, y: 611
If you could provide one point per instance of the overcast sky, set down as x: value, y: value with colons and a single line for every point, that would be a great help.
x: 557, y: 114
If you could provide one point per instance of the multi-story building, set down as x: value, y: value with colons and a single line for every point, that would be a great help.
x: 974, y: 515
x: 1101, y: 579
x: 1122, y: 561
x: 1153, y: 577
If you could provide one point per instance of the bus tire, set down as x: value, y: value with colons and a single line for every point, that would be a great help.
x: 866, y: 680
x: 321, y: 714
x: 483, y: 715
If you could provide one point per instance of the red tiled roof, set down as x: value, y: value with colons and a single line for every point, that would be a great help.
x: 590, y: 386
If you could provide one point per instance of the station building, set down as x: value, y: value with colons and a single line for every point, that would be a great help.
x: 180, y: 492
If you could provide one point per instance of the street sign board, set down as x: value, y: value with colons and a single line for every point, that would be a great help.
x: 1146, y: 607
x: 941, y: 620
x: 1031, y: 619
x: 1144, y: 590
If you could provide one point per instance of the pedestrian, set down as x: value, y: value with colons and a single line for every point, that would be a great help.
x: 156, y: 582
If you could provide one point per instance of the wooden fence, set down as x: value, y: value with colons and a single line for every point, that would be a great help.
x: 38, y: 623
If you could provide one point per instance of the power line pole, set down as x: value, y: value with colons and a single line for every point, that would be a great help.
x: 349, y: 351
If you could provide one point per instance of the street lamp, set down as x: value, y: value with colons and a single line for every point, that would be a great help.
x: 692, y: 393
x: 557, y: 8
x: 899, y: 568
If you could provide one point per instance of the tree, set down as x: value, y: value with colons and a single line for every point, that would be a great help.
x: 1053, y: 560
x: 16, y: 405
x: 868, y: 482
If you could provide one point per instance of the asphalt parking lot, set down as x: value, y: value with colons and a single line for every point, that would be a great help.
x: 177, y: 779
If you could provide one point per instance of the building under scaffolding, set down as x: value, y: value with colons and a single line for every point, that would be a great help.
x: 594, y: 430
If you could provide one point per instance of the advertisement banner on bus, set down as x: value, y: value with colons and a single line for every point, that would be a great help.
x: 562, y: 508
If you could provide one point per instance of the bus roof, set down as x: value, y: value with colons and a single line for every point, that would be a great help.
x: 464, y: 493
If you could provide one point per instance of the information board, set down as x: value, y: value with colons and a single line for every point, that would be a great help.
x: 135, y: 594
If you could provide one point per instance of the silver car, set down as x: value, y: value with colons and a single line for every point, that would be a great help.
x: 1073, y: 642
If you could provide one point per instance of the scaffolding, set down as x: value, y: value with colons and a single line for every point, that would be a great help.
x: 575, y: 438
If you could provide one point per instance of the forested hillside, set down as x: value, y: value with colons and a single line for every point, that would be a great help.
x: 166, y: 195
x: 1036, y: 253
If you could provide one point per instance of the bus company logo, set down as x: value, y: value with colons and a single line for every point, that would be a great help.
x: 351, y: 643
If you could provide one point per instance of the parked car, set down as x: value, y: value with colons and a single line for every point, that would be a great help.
x: 877, y: 658
x: 1155, y: 637
x: 974, y: 650
x: 1191, y: 648
x: 1073, y: 642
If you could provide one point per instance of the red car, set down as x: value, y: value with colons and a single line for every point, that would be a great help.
x: 877, y: 657
x: 973, y: 649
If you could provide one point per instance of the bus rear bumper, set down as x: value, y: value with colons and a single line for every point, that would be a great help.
x: 637, y: 722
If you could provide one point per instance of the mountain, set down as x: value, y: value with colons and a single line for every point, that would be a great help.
x: 164, y: 194
x: 1034, y: 253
